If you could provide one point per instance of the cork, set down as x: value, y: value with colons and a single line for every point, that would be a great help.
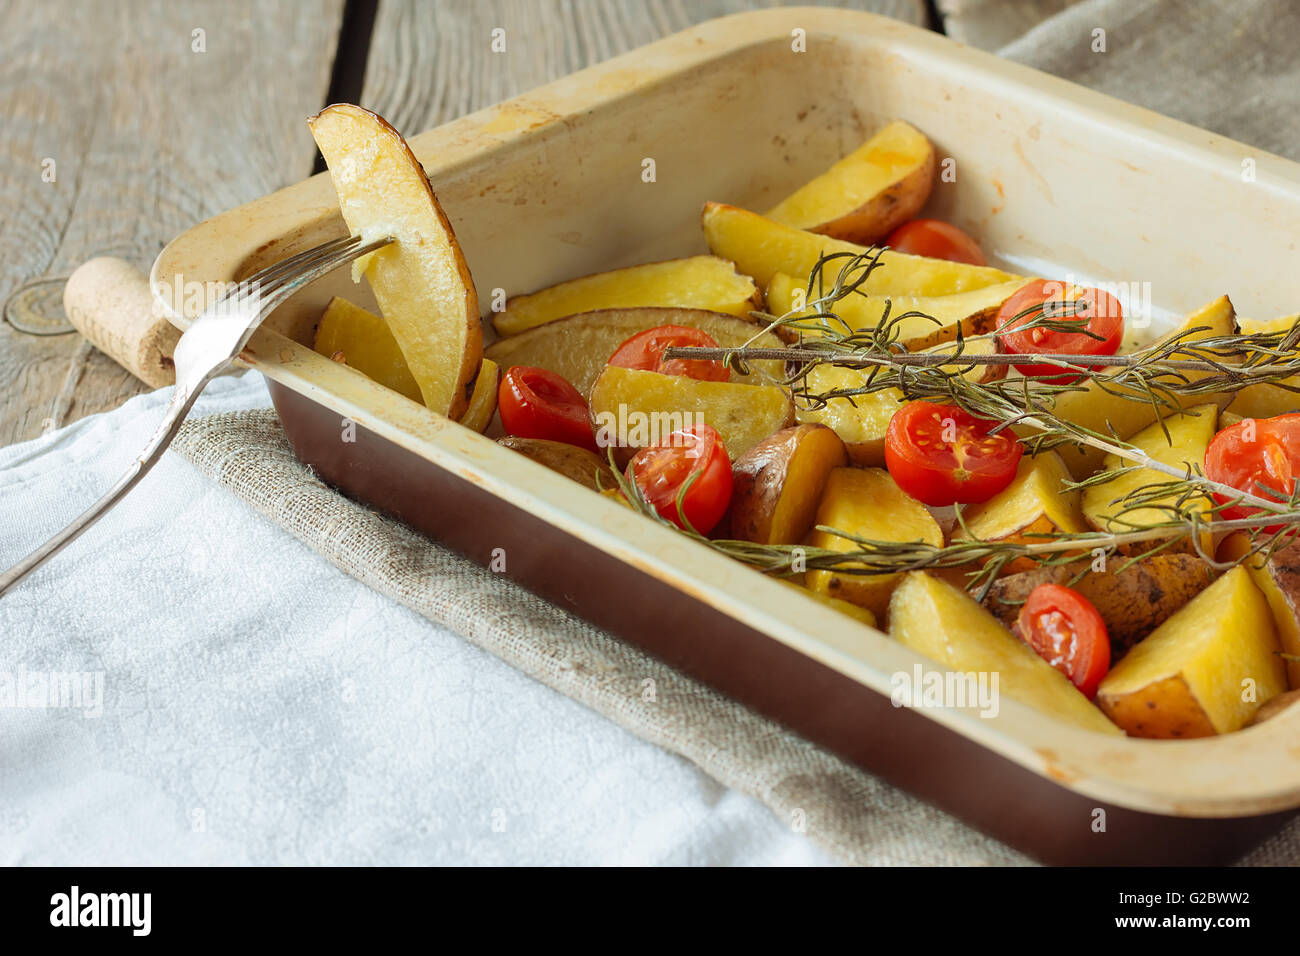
x: 109, y: 301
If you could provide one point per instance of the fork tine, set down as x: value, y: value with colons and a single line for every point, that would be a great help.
x: 331, y: 254
x: 287, y: 265
x: 286, y: 285
x: 263, y: 282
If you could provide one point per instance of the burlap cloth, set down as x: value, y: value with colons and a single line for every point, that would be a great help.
x: 1227, y: 66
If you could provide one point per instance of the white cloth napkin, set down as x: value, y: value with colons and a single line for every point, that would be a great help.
x: 260, y: 706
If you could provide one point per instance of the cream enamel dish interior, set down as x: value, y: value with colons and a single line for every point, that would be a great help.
x: 548, y: 186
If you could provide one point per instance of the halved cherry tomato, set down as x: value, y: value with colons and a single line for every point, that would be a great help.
x: 941, y: 454
x: 1098, y: 315
x: 1067, y: 632
x: 1257, y: 455
x: 536, y: 403
x: 936, y: 239
x: 660, y: 473
x: 645, y: 351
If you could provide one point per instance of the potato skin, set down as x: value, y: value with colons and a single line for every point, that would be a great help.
x: 569, y: 460
x: 578, y: 347
x: 1167, y: 710
x: 794, y: 462
x: 1132, y: 602
x: 436, y: 324
x: 887, y: 210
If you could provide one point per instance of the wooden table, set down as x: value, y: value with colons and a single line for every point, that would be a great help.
x: 123, y: 123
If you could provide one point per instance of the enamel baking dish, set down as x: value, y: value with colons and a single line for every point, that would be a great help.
x: 548, y: 186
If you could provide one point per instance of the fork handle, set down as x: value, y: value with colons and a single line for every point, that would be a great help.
x: 181, y: 402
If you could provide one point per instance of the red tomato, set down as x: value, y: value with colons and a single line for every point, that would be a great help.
x: 1067, y: 632
x: 660, y: 473
x: 1098, y: 312
x: 535, y: 403
x: 941, y: 455
x: 645, y: 351
x: 1257, y: 455
x: 937, y: 240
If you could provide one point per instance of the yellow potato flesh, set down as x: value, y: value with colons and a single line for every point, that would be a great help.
x: 974, y: 312
x: 866, y: 502
x: 700, y: 282
x: 483, y: 400
x: 860, y: 422
x: 1267, y: 400
x: 778, y: 483
x: 1103, y: 412
x: 1204, y: 671
x: 761, y: 248
x: 632, y: 409
x: 863, y: 420
x: 421, y: 281
x: 894, y: 168
x: 1188, y: 436
x: 1278, y: 579
x: 947, y: 626
x: 1036, y: 502
x: 364, y: 342
x: 810, y: 464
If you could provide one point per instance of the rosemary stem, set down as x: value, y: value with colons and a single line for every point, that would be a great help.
x: 932, y: 359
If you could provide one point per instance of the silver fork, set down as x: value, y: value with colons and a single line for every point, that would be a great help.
x: 208, y: 347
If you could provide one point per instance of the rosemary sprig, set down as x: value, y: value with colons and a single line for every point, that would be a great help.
x: 1157, y: 374
x: 1153, y: 375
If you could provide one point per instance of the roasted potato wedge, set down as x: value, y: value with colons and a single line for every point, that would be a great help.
x: 421, y: 281
x: 583, y: 466
x: 778, y: 483
x: 483, y: 399
x: 578, y: 347
x: 1097, y: 409
x: 1204, y: 671
x: 1133, y: 601
x: 866, y: 502
x: 363, y: 341
x: 974, y: 313
x: 1278, y: 578
x: 862, y: 420
x: 761, y: 248
x: 1266, y: 400
x: 1281, y: 324
x: 1181, y: 442
x: 632, y: 409
x: 949, y: 627
x: 870, y: 192
x: 700, y: 282
x: 1035, y: 503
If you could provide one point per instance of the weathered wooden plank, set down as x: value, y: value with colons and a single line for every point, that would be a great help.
x: 431, y: 62
x: 149, y: 116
